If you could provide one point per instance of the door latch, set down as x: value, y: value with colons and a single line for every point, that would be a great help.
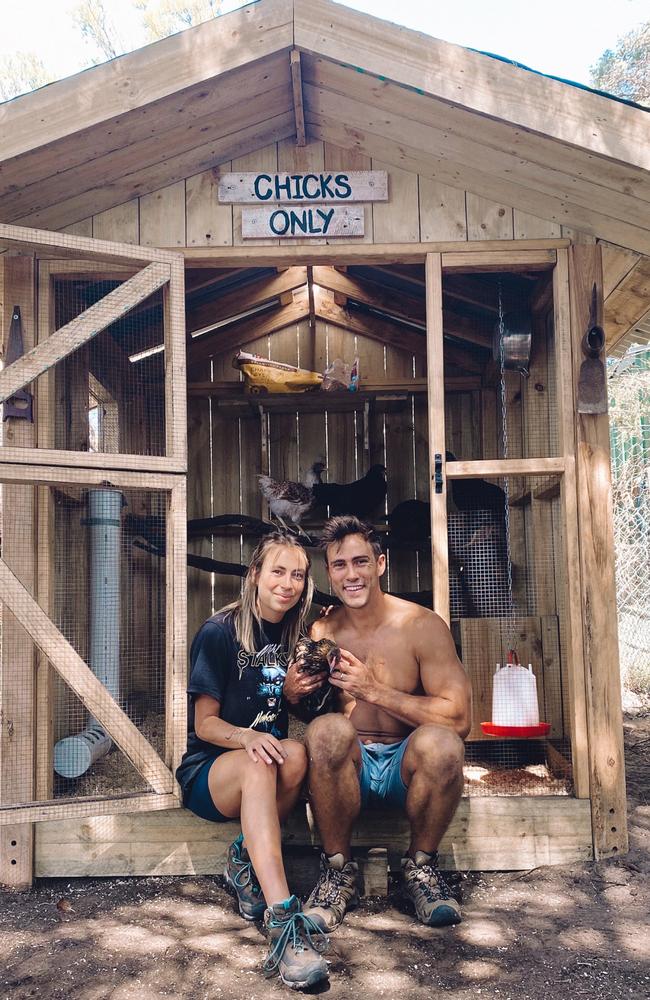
x: 437, y: 472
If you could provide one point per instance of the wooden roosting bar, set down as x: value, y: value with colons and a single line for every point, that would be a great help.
x: 127, y: 354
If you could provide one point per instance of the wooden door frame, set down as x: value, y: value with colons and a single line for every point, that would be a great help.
x: 149, y: 270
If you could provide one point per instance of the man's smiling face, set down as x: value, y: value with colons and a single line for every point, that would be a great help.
x: 354, y: 570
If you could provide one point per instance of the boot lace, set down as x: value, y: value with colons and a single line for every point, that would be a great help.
x: 245, y: 875
x: 329, y: 887
x: 425, y: 877
x: 296, y: 933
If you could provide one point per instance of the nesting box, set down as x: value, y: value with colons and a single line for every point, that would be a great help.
x: 129, y: 463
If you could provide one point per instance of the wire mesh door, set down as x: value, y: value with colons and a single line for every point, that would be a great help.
x: 92, y: 574
x: 497, y: 436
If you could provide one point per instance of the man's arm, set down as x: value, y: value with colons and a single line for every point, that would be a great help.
x: 447, y: 692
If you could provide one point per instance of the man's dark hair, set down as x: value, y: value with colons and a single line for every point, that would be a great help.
x: 338, y: 528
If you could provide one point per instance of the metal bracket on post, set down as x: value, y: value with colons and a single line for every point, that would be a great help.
x: 20, y: 405
x: 437, y: 473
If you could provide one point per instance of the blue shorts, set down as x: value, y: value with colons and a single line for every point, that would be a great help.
x: 381, y: 777
x: 199, y: 801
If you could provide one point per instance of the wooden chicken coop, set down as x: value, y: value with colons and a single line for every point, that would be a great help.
x: 472, y: 242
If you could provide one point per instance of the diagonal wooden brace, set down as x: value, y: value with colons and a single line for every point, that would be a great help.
x: 82, y: 681
x: 82, y: 329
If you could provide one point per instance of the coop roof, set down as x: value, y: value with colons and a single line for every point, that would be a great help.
x: 225, y: 88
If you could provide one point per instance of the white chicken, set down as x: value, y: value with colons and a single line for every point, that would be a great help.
x: 291, y: 500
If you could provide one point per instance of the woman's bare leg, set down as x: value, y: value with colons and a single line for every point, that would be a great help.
x: 261, y: 794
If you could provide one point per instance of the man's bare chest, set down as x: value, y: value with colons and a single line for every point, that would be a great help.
x: 390, y: 657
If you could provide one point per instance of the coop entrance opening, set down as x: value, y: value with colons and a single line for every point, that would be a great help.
x: 372, y: 320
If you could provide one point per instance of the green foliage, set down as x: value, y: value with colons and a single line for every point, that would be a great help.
x: 625, y: 70
x: 20, y: 73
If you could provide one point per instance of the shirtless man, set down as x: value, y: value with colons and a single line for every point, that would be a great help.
x: 404, y: 710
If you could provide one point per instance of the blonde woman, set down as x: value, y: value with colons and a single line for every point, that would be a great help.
x: 239, y: 762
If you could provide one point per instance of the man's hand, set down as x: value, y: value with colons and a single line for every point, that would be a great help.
x: 262, y: 746
x: 298, y: 685
x: 354, y: 677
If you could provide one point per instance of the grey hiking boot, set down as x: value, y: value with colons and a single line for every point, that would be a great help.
x: 295, y: 946
x: 241, y: 880
x: 427, y: 889
x: 336, y: 891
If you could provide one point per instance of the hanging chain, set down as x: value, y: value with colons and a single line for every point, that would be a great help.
x: 510, y: 630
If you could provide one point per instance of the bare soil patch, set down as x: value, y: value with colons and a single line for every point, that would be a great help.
x: 565, y: 932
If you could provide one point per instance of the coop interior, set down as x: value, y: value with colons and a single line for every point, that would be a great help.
x: 105, y: 547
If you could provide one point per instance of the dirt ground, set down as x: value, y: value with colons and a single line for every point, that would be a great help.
x: 575, y: 931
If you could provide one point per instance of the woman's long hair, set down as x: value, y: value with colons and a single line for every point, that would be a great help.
x: 245, y: 610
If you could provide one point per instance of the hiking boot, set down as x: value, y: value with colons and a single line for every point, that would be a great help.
x: 336, y: 891
x: 241, y: 880
x: 295, y: 946
x: 427, y: 889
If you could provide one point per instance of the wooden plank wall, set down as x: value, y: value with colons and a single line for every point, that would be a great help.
x: 187, y: 212
x: 420, y: 209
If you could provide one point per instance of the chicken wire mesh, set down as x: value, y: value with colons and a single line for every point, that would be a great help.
x: 102, y: 582
x: 507, y: 588
x: 108, y: 395
x: 520, y: 340
x: 629, y: 393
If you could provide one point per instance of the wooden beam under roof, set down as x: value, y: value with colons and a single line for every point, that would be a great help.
x: 180, y: 138
x: 388, y: 331
x: 627, y: 304
x: 198, y: 279
x: 589, y: 175
x: 138, y: 78
x: 151, y: 120
x: 371, y: 293
x: 247, y: 296
x: 489, y: 87
x: 152, y: 177
x: 474, y: 330
x: 298, y: 109
x: 242, y: 332
x: 539, y: 254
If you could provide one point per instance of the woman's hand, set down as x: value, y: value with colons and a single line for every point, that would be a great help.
x: 262, y: 746
x: 298, y: 685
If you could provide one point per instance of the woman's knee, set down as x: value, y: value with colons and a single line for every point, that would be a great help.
x: 330, y: 739
x: 294, y: 769
x: 258, y: 772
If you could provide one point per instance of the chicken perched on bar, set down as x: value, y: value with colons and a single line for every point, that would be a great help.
x: 291, y: 500
x: 361, y: 498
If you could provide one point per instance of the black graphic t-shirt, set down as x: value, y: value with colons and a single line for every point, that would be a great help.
x: 248, y: 686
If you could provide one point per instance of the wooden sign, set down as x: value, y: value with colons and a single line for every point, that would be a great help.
x: 343, y: 186
x: 302, y: 222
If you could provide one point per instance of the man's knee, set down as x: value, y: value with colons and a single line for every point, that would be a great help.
x: 438, y: 751
x: 330, y: 740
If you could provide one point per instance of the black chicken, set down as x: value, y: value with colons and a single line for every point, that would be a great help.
x: 361, y: 497
x: 476, y: 494
x: 316, y: 655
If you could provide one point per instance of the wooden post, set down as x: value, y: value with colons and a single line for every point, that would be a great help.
x: 436, y: 388
x: 594, y: 494
x: 17, y: 670
x: 570, y: 549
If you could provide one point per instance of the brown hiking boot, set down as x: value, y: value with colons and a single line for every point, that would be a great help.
x: 429, y: 892
x: 336, y: 891
x: 295, y: 946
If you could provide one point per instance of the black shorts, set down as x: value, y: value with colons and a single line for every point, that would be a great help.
x: 199, y: 801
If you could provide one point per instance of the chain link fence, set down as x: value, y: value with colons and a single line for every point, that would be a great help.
x: 629, y: 400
